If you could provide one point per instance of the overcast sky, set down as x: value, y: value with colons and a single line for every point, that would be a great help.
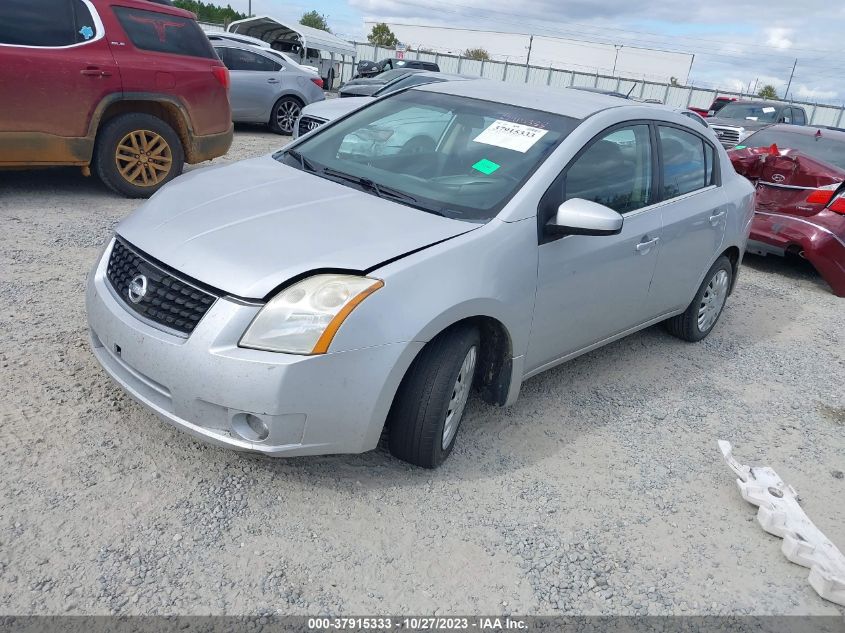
x: 735, y: 42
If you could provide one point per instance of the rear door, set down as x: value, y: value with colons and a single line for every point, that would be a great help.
x: 255, y: 83
x: 55, y: 69
x: 694, y: 212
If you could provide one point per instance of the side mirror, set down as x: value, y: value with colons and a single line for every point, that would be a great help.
x: 583, y: 217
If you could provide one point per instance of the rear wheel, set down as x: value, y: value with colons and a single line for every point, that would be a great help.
x: 284, y: 115
x: 428, y: 409
x: 137, y: 154
x: 698, y: 320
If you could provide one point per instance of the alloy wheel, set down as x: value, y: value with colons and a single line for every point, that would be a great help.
x: 713, y: 300
x: 286, y: 115
x: 144, y: 158
x: 460, y: 395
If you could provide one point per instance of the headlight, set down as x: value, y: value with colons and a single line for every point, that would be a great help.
x: 304, y: 318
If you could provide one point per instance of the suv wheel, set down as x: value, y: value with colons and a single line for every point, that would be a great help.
x: 429, y: 405
x: 136, y: 154
x: 698, y: 319
x: 284, y: 115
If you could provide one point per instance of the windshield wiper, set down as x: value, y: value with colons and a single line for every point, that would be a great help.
x: 304, y: 162
x: 381, y: 191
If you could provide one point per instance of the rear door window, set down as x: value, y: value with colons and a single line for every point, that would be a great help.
x: 798, y: 117
x: 164, y: 33
x: 238, y: 59
x: 687, y: 166
x: 47, y: 23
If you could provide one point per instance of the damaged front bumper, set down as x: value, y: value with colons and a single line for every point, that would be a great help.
x: 780, y: 514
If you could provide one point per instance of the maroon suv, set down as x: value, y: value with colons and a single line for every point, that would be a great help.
x: 130, y: 88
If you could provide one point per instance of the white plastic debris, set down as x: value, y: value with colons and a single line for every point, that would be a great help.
x: 781, y: 515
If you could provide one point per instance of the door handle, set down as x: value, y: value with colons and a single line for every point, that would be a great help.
x: 272, y: 80
x: 95, y: 72
x: 714, y: 219
x: 644, y: 247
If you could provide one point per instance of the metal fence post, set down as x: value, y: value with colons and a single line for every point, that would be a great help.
x: 482, y: 69
x: 666, y: 93
x: 549, y: 78
x: 460, y: 61
x: 505, y: 73
x: 841, y: 116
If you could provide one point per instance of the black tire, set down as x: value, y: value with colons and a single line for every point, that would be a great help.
x: 415, y: 424
x: 687, y: 325
x: 108, y: 166
x: 284, y: 115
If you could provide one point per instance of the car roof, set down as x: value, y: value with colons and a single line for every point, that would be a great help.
x: 572, y: 103
x: 808, y: 130
x: 237, y: 38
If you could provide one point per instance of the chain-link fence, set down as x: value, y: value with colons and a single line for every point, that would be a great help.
x: 673, y: 95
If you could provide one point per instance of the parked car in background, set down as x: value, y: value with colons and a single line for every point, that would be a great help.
x: 264, y: 89
x: 738, y: 120
x: 130, y: 90
x: 718, y: 104
x: 799, y: 173
x: 317, y: 114
x: 338, y: 290
x: 367, y: 87
x: 216, y: 37
x: 392, y: 63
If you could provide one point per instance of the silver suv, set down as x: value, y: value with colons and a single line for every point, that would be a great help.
x: 264, y: 88
x: 299, y: 303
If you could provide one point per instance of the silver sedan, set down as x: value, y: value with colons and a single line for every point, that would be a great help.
x: 304, y: 302
x: 265, y: 88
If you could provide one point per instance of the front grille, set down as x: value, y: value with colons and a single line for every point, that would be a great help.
x: 308, y: 123
x: 728, y: 137
x: 170, y: 301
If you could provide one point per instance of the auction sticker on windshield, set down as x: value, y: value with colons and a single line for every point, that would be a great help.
x: 507, y: 135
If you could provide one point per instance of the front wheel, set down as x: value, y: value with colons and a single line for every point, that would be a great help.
x: 426, y: 414
x: 698, y: 320
x: 284, y: 115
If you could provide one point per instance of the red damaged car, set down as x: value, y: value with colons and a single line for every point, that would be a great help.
x: 800, y: 177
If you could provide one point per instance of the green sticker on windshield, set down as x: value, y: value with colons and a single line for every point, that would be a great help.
x: 486, y: 166
x: 740, y: 147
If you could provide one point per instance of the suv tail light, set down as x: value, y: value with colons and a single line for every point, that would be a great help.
x: 317, y: 81
x: 222, y: 75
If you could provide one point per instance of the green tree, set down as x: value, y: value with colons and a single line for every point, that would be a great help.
x: 381, y: 35
x: 768, y: 92
x: 208, y: 12
x: 478, y: 54
x: 315, y: 20
x: 673, y: 81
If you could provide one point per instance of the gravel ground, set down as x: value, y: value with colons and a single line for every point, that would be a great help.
x: 601, y: 491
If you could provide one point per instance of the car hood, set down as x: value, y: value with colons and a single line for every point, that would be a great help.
x: 746, y: 124
x: 332, y: 109
x: 245, y: 228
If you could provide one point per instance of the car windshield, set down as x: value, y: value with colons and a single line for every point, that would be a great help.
x: 749, y: 112
x: 453, y: 156
x: 390, y: 75
x: 406, y: 82
x: 824, y: 148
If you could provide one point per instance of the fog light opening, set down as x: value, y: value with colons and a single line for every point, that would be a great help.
x: 250, y: 427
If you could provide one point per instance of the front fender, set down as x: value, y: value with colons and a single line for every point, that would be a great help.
x: 491, y: 271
